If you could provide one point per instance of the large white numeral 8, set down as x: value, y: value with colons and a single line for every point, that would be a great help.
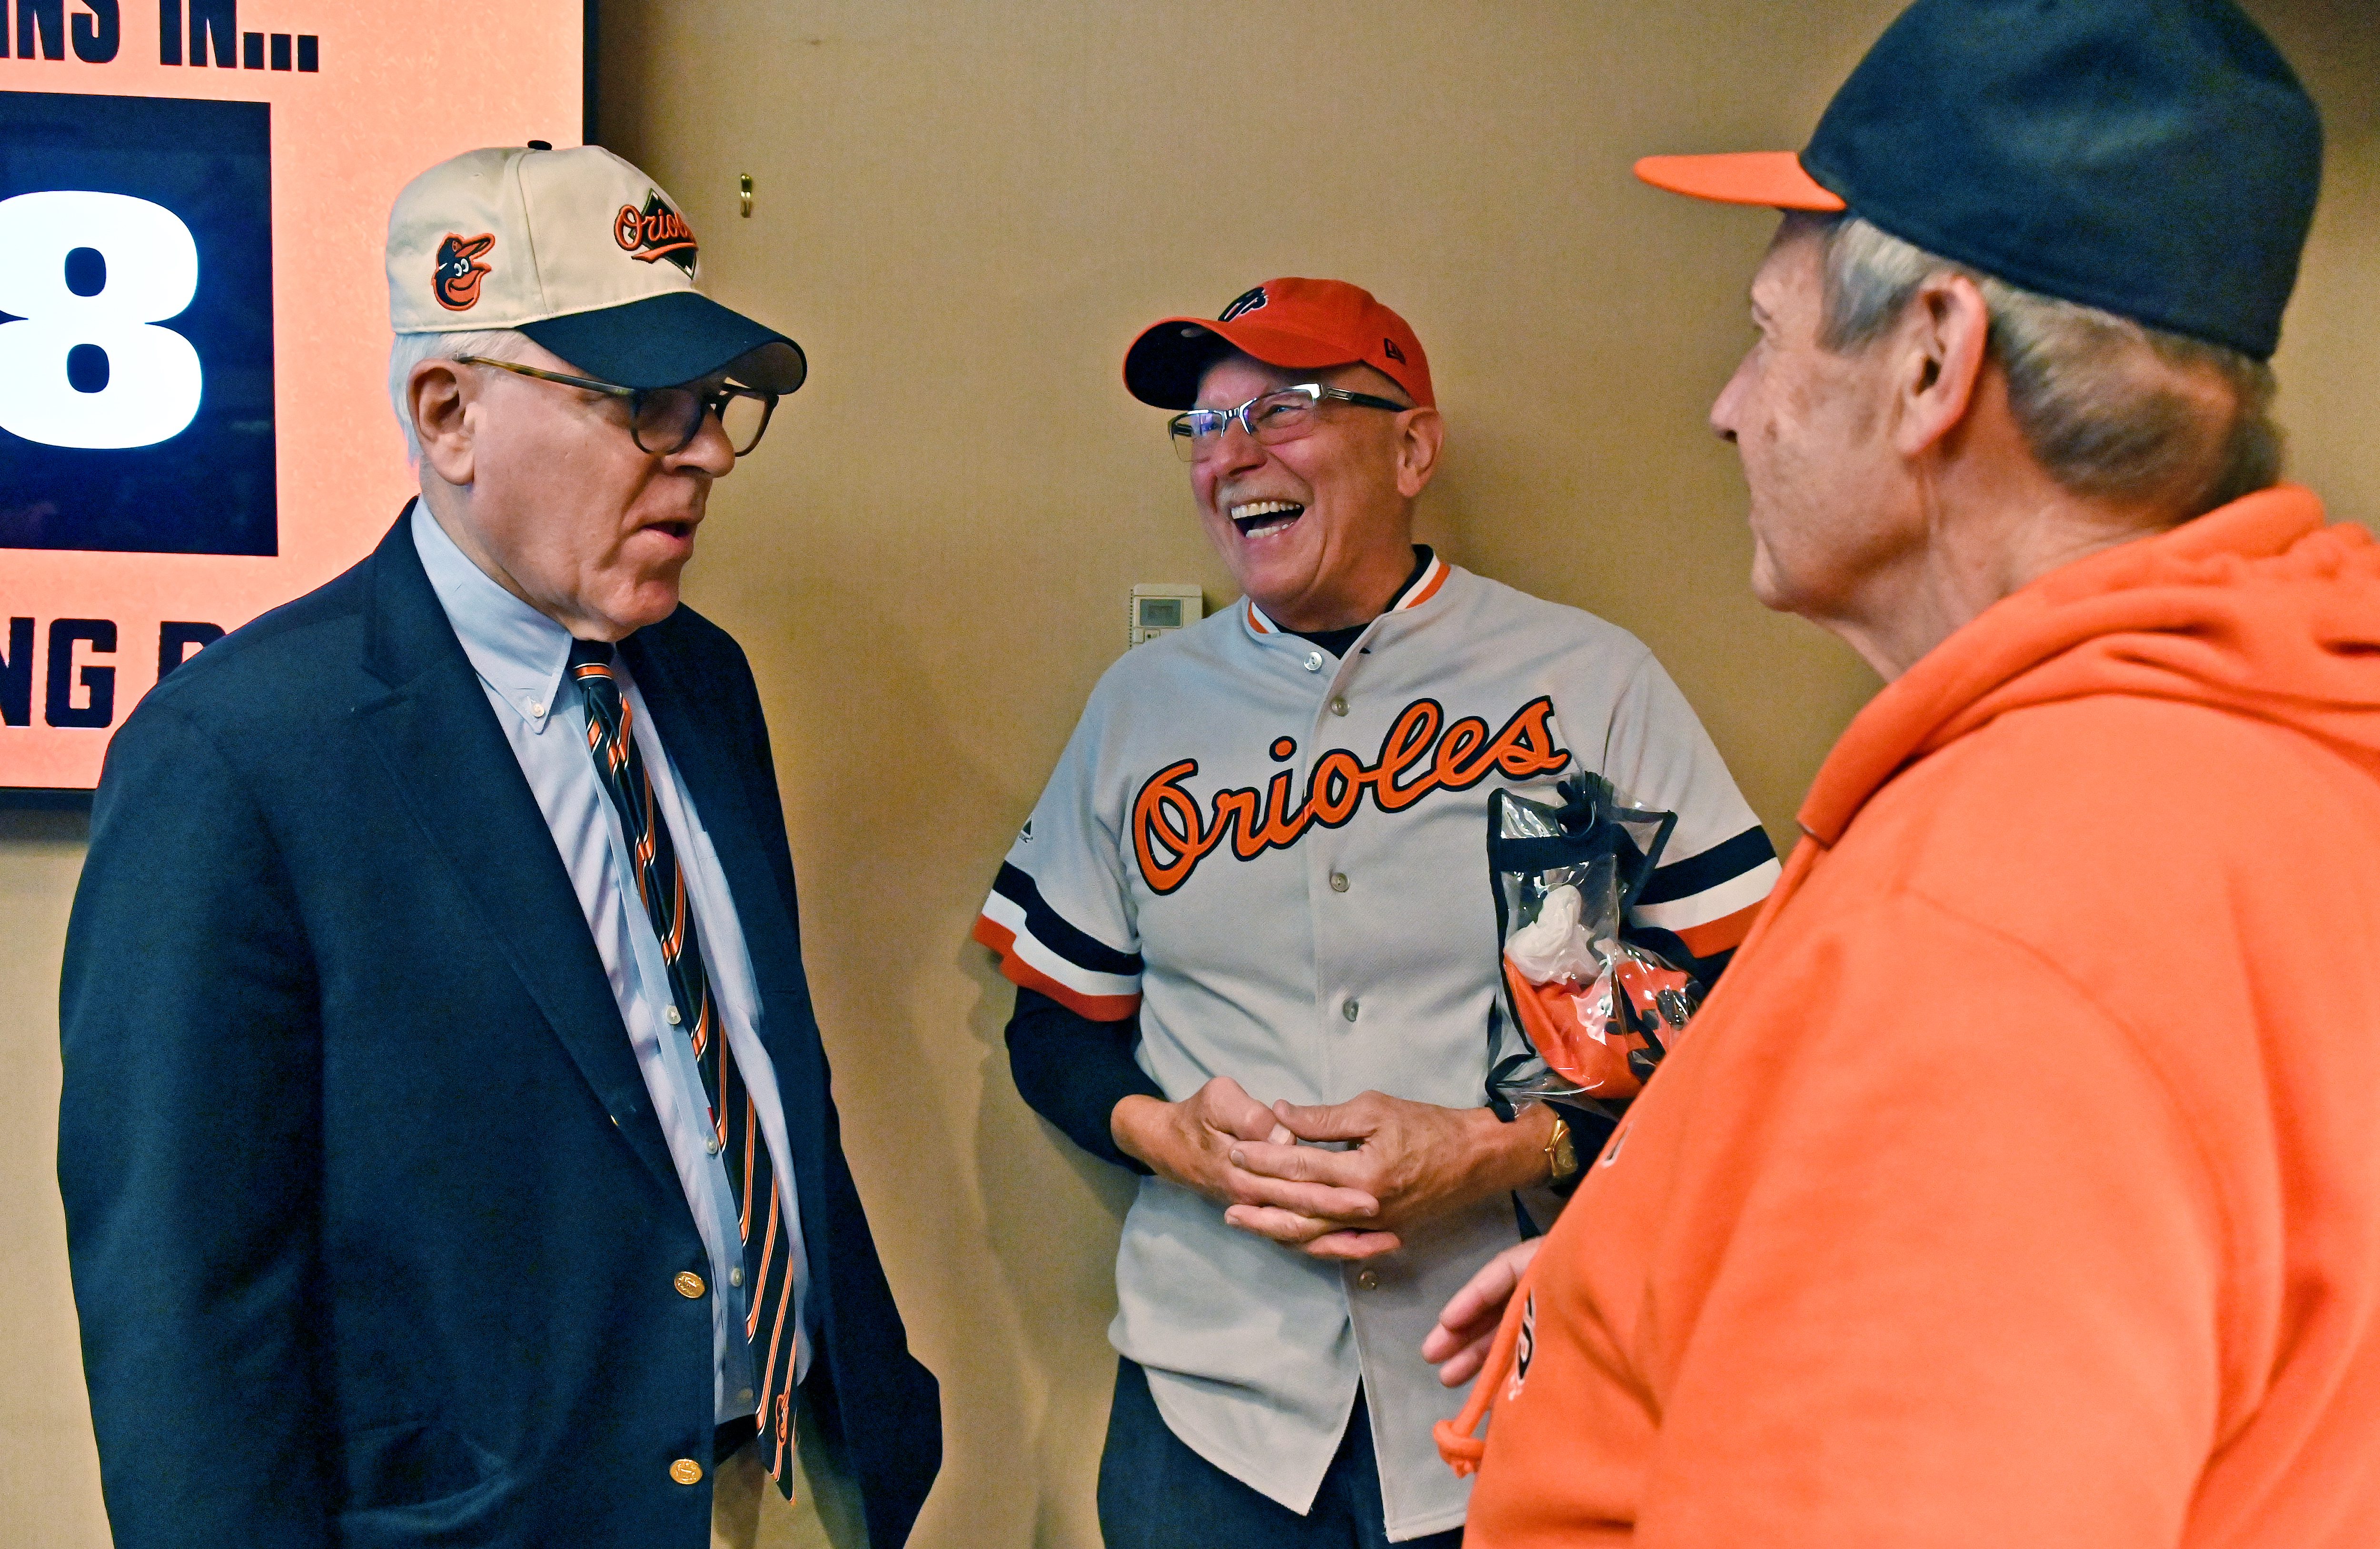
x: 154, y: 381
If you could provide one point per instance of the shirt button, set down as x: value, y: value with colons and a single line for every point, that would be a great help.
x: 689, y: 1284
x: 735, y: 1277
x: 1368, y: 1279
x: 1349, y: 1011
x: 1338, y: 882
x: 686, y: 1470
x: 710, y: 1145
x: 671, y: 1014
x: 1337, y: 704
x: 743, y: 1394
x: 537, y: 710
x: 1313, y: 662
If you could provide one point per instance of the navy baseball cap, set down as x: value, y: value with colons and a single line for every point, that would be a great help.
x: 2156, y: 159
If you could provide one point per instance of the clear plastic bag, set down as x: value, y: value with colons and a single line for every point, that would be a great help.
x: 1584, y: 1016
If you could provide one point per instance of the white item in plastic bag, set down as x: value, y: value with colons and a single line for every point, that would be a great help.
x: 1555, y: 948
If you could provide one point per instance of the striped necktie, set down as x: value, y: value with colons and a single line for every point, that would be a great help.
x: 768, y: 1268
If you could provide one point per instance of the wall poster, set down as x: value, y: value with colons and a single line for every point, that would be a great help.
x: 194, y: 416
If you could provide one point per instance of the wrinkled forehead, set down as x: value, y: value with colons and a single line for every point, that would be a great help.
x: 1793, y: 267
x: 1234, y: 378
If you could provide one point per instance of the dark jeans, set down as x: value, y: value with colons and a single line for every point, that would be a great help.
x: 1156, y: 1494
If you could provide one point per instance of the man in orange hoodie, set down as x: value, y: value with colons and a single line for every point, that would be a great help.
x: 2021, y: 1185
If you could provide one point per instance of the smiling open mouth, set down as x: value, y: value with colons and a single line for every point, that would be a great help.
x: 1260, y: 518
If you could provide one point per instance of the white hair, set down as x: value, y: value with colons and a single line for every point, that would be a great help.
x: 408, y: 350
x: 2110, y: 407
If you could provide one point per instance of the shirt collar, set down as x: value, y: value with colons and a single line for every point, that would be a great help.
x: 517, y: 651
x: 1428, y: 576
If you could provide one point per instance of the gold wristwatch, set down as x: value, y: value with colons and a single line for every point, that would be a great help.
x: 1561, y: 1157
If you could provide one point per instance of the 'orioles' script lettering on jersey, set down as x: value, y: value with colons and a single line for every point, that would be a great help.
x: 1171, y: 836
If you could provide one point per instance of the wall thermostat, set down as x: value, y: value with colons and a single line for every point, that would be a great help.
x: 1160, y: 608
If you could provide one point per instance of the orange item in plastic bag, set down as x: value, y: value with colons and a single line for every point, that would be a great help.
x: 1584, y: 1037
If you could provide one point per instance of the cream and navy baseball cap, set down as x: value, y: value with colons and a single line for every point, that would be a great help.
x: 583, y: 253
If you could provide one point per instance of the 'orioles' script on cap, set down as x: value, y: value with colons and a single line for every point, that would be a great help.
x: 656, y: 231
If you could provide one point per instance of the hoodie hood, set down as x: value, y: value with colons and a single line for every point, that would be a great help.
x: 2258, y: 608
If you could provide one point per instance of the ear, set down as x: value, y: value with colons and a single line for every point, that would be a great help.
x: 1942, y: 344
x: 442, y: 397
x: 1421, y: 436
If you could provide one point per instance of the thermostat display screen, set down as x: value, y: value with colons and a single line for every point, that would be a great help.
x: 1160, y: 612
x: 195, y: 424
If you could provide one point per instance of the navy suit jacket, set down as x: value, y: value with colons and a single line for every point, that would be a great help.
x: 372, y: 1228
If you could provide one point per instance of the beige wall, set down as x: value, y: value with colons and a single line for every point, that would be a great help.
x: 964, y: 211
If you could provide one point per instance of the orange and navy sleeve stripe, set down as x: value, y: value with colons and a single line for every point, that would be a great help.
x: 1709, y: 900
x: 1042, y: 951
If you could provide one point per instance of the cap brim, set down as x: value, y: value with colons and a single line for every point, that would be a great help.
x: 1774, y: 178
x: 677, y: 336
x: 1164, y: 365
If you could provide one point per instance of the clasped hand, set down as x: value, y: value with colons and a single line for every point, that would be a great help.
x: 1408, y: 1162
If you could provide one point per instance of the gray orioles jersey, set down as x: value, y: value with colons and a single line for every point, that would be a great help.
x: 1278, y: 858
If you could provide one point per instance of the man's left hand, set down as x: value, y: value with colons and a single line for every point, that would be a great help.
x: 1418, y: 1160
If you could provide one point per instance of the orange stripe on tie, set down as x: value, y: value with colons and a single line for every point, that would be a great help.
x: 752, y: 1136
x: 768, y: 1257
x: 776, y: 1333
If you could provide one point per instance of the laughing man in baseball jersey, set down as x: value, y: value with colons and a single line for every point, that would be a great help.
x: 1258, y: 877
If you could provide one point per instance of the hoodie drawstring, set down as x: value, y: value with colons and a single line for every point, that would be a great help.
x: 1458, y: 1441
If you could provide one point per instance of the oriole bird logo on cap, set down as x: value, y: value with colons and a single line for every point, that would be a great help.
x: 459, y: 271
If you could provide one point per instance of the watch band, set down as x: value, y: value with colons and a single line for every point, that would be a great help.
x: 1561, y: 1157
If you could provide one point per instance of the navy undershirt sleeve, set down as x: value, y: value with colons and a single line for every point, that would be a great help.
x: 1073, y: 1071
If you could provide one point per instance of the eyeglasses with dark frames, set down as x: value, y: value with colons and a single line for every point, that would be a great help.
x: 664, y: 421
x: 1283, y: 414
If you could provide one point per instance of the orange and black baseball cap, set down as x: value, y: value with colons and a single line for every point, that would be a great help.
x: 1294, y: 323
x: 2156, y: 159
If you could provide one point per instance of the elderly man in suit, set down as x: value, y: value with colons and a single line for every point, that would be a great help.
x: 447, y: 1146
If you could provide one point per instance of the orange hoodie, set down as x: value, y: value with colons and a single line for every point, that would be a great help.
x: 2021, y: 1183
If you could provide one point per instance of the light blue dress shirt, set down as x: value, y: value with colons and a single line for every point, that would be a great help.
x: 519, y: 654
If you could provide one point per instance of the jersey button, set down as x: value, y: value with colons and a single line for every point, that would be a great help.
x: 1313, y: 662
x: 1337, y: 704
x: 1349, y: 1009
x: 1338, y: 882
